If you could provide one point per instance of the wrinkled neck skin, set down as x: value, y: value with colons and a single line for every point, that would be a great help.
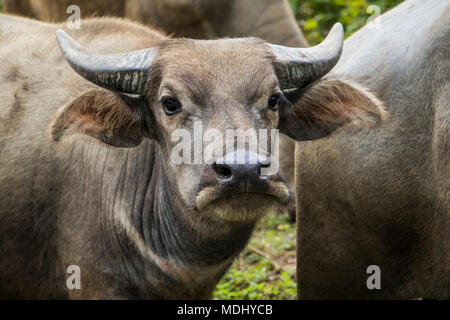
x: 152, y: 245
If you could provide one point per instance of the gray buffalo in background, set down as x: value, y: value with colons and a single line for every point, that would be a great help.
x: 382, y: 197
x: 271, y: 20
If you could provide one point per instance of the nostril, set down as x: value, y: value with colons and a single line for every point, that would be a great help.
x: 264, y: 164
x: 222, y: 170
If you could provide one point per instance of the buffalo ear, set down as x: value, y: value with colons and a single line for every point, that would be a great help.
x: 326, y: 105
x: 113, y: 118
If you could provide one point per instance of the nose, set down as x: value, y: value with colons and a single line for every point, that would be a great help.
x: 241, y: 166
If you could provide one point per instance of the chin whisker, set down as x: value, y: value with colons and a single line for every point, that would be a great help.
x: 243, y: 207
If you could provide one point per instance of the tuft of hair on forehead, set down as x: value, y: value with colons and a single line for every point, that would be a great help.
x: 212, y: 55
x: 205, y: 65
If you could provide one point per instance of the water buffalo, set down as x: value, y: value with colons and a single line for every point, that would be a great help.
x: 271, y: 20
x: 87, y: 177
x: 382, y: 197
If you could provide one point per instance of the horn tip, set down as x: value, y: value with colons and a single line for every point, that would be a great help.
x: 337, y: 28
x: 60, y: 33
x: 66, y: 43
x: 61, y: 36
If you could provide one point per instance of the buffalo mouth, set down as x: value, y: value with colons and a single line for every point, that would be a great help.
x: 243, y: 196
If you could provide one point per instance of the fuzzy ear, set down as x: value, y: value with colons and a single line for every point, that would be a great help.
x: 110, y: 117
x: 326, y: 105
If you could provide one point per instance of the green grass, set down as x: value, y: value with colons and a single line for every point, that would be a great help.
x: 266, y: 268
x: 316, y: 17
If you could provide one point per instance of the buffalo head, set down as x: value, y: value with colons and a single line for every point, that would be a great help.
x: 193, y: 97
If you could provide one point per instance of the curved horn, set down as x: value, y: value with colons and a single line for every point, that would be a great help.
x: 126, y: 73
x: 300, y: 66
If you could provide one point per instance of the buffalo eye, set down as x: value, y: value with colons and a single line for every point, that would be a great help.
x: 273, y: 102
x: 171, y: 105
